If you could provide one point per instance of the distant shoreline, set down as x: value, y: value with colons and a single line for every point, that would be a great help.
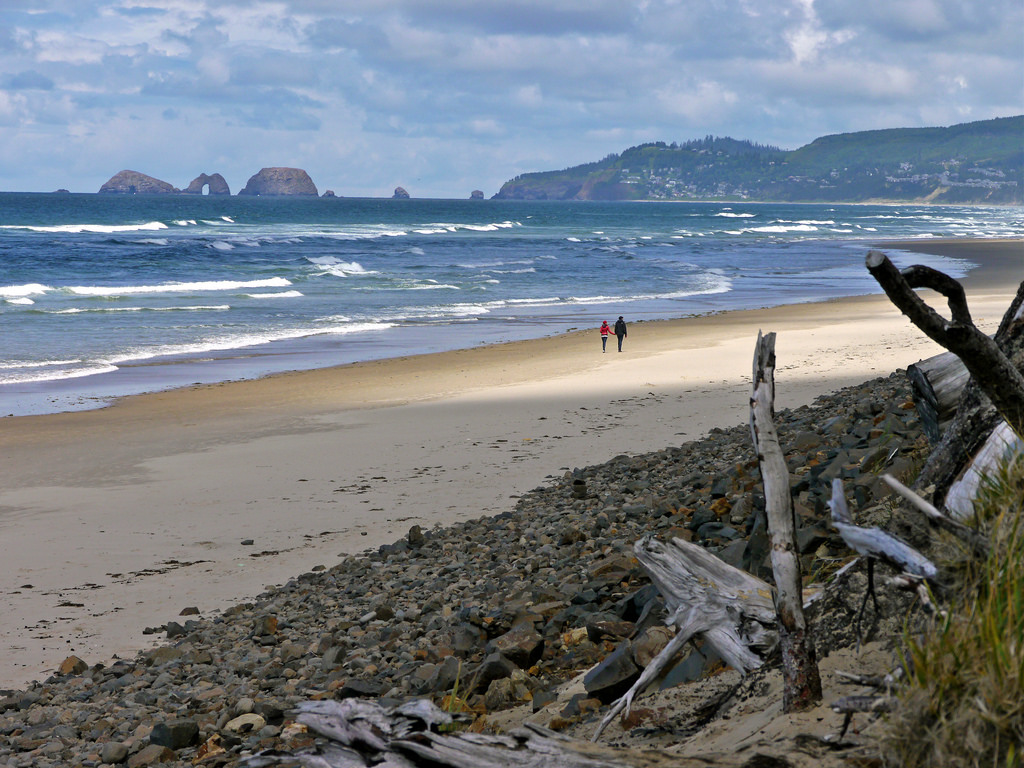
x: 709, y: 201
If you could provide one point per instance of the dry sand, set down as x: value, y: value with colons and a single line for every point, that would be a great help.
x: 116, y: 519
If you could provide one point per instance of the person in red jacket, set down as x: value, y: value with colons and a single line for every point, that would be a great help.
x: 605, y: 331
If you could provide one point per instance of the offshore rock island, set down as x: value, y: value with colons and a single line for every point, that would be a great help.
x: 276, y: 182
x: 269, y: 182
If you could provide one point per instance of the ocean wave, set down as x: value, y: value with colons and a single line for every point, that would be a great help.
x: 220, y: 245
x: 154, y: 241
x: 730, y: 215
x: 17, y: 364
x: 81, y: 310
x: 782, y: 228
x: 20, y: 291
x: 334, y: 266
x: 93, y: 228
x: 212, y: 285
x: 282, y: 295
x: 51, y: 374
x: 24, y: 300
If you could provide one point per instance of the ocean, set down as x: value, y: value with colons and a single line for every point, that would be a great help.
x: 107, y: 295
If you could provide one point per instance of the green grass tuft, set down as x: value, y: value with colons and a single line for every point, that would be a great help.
x: 963, y: 705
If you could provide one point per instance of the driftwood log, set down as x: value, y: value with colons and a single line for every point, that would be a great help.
x: 801, y: 681
x: 730, y: 609
x: 938, y: 383
x: 358, y: 733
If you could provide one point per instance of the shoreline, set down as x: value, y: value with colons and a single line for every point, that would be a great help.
x: 120, y: 517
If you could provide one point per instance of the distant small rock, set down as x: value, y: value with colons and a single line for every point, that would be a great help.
x: 135, y: 183
x: 329, y: 193
x: 62, y: 191
x: 476, y: 194
x: 400, y: 194
x: 276, y: 182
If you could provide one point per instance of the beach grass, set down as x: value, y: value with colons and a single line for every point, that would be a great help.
x: 963, y: 705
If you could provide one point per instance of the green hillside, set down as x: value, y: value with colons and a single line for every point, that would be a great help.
x: 980, y: 162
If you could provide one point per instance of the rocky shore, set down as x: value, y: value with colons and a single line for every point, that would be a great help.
x: 496, y: 615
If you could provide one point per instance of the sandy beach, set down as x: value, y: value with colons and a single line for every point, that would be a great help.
x: 116, y: 519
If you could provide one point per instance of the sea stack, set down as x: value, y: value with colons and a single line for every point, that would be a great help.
x: 276, y: 182
x: 216, y: 183
x: 135, y: 183
x: 400, y: 194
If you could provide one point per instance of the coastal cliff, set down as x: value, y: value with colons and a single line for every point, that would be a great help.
x: 274, y: 182
x: 135, y: 183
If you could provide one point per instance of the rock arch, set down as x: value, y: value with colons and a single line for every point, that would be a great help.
x: 216, y: 182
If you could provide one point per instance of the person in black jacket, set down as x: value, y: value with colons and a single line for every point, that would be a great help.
x: 620, y: 331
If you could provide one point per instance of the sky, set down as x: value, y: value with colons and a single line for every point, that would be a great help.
x: 443, y: 97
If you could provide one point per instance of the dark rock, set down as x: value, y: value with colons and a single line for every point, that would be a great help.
x: 416, y: 538
x: 175, y: 734
x: 614, y: 675
x: 522, y: 645
x: 400, y: 194
x: 476, y: 194
x: 361, y: 689
x: 277, y: 182
x: 493, y: 667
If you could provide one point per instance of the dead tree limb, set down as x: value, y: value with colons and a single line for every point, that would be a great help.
x: 994, y: 372
x: 801, y: 681
x: 937, y: 518
x: 730, y: 609
x: 356, y: 733
x: 876, y: 544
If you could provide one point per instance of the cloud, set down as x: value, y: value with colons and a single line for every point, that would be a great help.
x: 30, y: 80
x: 466, y: 94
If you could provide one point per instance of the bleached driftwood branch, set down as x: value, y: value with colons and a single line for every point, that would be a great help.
x: 357, y: 733
x: 934, y: 515
x: 730, y: 609
x: 801, y: 681
x: 876, y: 543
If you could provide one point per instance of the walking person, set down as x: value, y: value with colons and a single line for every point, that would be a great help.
x: 620, y: 331
x: 605, y: 332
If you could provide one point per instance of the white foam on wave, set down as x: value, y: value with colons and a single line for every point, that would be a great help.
x: 212, y: 285
x: 54, y: 374
x: 783, y: 228
x: 281, y: 295
x: 155, y: 241
x: 93, y: 228
x: 220, y: 245
x: 80, y: 310
x: 185, y: 222
x: 26, y: 289
x: 22, y: 300
x: 527, y: 271
x: 731, y: 215
x: 339, y: 268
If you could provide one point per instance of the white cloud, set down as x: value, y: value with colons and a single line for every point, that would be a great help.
x: 466, y: 94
